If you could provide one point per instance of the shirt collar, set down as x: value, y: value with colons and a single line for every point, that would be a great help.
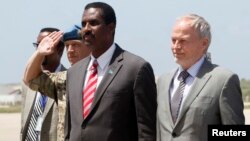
x: 58, y: 68
x: 105, y: 58
x: 193, y: 70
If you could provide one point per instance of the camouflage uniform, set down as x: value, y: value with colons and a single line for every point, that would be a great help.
x: 49, y: 83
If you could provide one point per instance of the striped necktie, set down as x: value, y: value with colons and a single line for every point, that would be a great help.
x: 32, y: 134
x: 178, y: 96
x: 89, y: 91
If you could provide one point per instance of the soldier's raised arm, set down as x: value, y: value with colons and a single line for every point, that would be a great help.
x: 45, y: 47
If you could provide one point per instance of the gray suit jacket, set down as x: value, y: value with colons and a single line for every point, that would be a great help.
x: 49, y: 127
x: 214, y: 98
x: 124, y: 107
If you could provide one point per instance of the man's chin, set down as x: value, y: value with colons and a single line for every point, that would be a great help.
x: 177, y: 60
x: 87, y: 43
x: 72, y: 61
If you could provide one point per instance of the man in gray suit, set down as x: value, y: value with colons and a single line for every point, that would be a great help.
x: 46, y: 122
x: 198, y: 93
x: 119, y: 103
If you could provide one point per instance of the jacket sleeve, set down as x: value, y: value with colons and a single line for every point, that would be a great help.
x: 50, y: 84
x: 145, y: 103
x: 231, y: 102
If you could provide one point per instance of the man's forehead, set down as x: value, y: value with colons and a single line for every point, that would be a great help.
x: 91, y: 12
x: 42, y: 35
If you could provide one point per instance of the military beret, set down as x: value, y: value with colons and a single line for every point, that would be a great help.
x: 73, y: 34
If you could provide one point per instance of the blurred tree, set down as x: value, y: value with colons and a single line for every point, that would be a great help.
x: 245, y: 87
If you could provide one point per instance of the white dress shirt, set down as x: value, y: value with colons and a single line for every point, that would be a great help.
x: 193, y: 70
x: 103, y: 63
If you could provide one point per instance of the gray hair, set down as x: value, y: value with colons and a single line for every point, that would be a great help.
x: 200, y: 25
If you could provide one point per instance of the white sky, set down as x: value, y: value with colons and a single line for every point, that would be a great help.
x: 143, y: 28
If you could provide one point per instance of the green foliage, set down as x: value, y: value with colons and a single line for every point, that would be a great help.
x: 245, y: 87
x: 10, y: 109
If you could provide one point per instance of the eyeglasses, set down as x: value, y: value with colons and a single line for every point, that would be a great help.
x: 35, y: 44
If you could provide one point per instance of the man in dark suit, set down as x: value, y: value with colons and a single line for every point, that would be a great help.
x: 46, y: 123
x: 198, y: 93
x: 120, y: 103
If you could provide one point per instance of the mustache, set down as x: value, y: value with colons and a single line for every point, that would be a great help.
x: 88, y: 33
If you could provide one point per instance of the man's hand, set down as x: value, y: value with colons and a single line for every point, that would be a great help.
x: 48, y: 44
x: 45, y: 47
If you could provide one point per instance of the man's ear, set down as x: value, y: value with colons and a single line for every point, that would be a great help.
x: 60, y: 50
x: 111, y: 27
x: 205, y: 43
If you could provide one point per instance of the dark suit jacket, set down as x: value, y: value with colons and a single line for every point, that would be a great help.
x: 214, y: 98
x: 50, y: 114
x: 124, y: 106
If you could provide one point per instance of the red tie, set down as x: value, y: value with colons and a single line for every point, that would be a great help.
x: 89, y: 91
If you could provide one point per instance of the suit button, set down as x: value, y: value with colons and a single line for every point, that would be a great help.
x: 174, y: 134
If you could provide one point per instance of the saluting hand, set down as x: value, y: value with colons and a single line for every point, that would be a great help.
x: 48, y: 44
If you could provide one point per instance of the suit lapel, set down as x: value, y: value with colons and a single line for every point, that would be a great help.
x: 199, y: 82
x: 30, y: 99
x: 48, y: 106
x: 113, y: 69
x: 168, y: 99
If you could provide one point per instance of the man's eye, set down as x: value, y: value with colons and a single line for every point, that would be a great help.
x: 83, y: 24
